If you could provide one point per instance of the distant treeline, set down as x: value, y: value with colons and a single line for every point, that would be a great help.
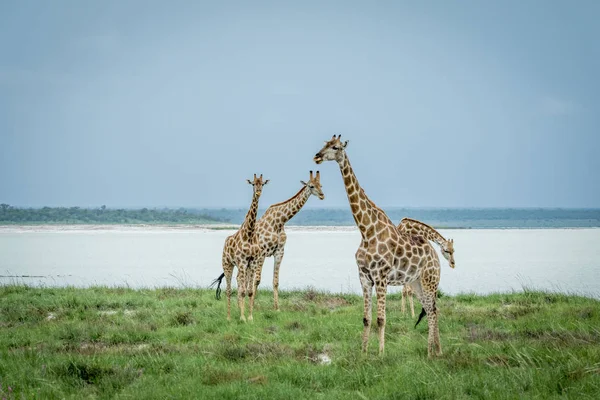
x: 464, y: 218
x: 102, y: 215
x: 437, y: 217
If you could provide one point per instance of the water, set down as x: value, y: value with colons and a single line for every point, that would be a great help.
x: 440, y: 217
x: 487, y: 260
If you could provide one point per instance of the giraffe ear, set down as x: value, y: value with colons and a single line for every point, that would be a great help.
x: 346, y: 143
x: 250, y: 182
x: 303, y: 183
x: 267, y: 181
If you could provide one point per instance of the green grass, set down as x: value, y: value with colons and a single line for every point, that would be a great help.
x: 176, y: 343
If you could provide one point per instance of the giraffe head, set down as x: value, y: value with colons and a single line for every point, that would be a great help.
x: 258, y: 184
x: 334, y: 150
x: 448, y: 252
x: 314, y: 185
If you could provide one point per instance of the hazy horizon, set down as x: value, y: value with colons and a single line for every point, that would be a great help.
x: 446, y: 105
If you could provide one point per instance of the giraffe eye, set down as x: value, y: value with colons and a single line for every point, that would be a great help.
x: 335, y: 148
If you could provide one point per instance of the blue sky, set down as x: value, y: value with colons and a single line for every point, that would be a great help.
x: 450, y: 104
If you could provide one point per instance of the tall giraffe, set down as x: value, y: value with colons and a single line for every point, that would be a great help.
x: 386, y: 256
x: 269, y: 236
x: 236, y: 252
x: 418, y: 228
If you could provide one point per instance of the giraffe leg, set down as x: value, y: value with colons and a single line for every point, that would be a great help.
x: 367, y: 288
x: 403, y: 302
x: 381, y: 290
x: 253, y: 281
x: 278, y: 257
x: 427, y: 296
x: 228, y: 276
x: 228, y: 267
x: 241, y: 283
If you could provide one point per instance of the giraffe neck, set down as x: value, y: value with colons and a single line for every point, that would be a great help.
x: 363, y: 209
x: 290, y: 207
x: 247, y: 228
x: 425, y: 230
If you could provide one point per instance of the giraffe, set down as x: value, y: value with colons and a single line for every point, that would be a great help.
x: 269, y: 235
x: 386, y: 256
x: 418, y: 228
x: 236, y: 251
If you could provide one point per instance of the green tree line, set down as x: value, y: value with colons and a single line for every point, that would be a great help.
x: 102, y: 215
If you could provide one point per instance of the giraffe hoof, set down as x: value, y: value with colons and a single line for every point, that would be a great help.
x: 243, y: 319
x: 251, y: 319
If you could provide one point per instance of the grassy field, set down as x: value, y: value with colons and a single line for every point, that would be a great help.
x: 176, y: 343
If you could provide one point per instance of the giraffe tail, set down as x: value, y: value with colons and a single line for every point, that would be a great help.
x: 218, y: 280
x: 423, y: 313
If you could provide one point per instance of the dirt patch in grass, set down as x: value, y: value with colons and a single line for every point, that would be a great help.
x: 563, y: 337
x: 268, y: 350
x: 477, y: 333
x: 335, y: 302
x: 331, y: 302
x: 88, y: 348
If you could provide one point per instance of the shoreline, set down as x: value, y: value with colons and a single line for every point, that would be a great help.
x: 217, y: 227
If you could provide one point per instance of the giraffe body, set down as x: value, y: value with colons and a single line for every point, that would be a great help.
x: 269, y: 237
x: 386, y: 256
x: 418, y: 228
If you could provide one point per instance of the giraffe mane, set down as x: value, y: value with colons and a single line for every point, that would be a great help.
x: 288, y: 200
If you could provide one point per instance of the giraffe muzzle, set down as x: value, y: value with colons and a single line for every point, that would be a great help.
x: 318, y: 158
